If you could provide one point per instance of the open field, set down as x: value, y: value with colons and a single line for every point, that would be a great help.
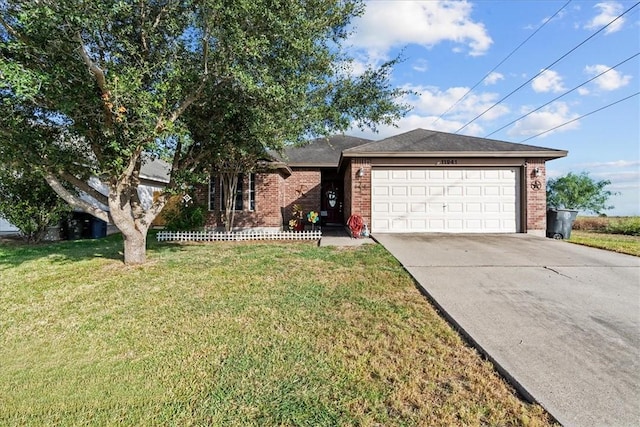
x: 610, y: 233
x: 233, y: 334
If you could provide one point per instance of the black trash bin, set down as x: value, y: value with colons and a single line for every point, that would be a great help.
x: 559, y: 223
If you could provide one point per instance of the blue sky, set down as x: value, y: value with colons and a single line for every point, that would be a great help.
x: 449, y: 47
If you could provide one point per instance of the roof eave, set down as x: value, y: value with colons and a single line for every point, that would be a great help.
x: 312, y: 165
x: 547, y: 154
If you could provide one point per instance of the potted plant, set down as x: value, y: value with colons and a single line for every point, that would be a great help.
x: 296, y: 223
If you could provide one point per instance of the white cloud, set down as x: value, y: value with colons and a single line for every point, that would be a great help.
x: 611, y: 80
x: 548, y: 81
x: 421, y: 65
x: 544, y: 20
x: 387, y: 24
x: 547, y: 118
x: 614, y: 164
x: 414, y: 121
x: 433, y: 101
x: 608, y: 12
x: 493, y: 78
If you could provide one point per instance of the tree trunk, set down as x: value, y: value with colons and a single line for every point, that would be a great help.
x: 135, y: 245
x: 134, y: 229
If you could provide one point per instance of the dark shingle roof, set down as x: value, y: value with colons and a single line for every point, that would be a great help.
x: 321, y: 152
x: 428, y: 143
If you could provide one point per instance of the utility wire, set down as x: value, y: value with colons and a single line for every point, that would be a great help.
x: 560, y: 96
x: 581, y: 117
x: 547, y: 67
x: 501, y: 62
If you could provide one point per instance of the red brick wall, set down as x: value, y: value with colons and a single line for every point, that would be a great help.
x: 302, y: 187
x: 536, y: 199
x: 275, y: 196
x: 359, y: 189
x: 267, y: 198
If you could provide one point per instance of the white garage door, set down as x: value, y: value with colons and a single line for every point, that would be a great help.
x: 450, y: 200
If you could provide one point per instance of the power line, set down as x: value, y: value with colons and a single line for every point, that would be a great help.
x: 581, y: 117
x: 547, y: 67
x: 501, y: 62
x: 560, y: 96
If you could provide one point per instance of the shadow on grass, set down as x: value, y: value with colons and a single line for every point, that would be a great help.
x: 110, y: 247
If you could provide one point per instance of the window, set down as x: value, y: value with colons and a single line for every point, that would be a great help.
x: 216, y: 184
x: 252, y: 191
x: 212, y: 193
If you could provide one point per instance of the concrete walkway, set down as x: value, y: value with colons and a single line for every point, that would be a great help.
x: 561, y: 321
x: 338, y: 236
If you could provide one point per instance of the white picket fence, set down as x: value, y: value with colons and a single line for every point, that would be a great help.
x: 217, y: 236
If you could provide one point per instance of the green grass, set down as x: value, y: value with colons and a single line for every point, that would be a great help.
x: 612, y: 242
x: 618, y: 234
x: 233, y: 335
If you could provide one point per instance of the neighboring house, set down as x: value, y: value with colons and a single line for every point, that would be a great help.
x: 154, y: 176
x: 7, y: 228
x: 418, y: 181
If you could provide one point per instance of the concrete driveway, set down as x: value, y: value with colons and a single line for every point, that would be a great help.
x: 561, y: 321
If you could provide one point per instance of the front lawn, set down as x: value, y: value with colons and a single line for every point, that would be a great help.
x: 233, y: 335
x: 612, y: 242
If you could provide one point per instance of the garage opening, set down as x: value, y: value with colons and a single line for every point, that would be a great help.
x: 445, y: 200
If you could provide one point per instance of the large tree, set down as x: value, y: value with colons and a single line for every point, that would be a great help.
x: 579, y: 192
x: 94, y: 87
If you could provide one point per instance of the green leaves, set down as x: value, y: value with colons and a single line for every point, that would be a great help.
x: 28, y: 202
x: 580, y: 192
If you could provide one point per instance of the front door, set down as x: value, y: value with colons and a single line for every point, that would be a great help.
x: 332, y: 202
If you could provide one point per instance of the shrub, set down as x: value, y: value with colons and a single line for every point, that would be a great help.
x: 629, y: 226
x: 184, y: 217
x: 594, y: 224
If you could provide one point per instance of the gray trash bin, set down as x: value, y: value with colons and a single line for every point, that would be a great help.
x: 559, y: 223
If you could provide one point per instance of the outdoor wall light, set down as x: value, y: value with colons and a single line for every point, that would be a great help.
x: 360, y: 173
x: 536, y: 172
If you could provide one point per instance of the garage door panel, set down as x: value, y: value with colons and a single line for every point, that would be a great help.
x: 491, y: 190
x: 472, y: 190
x: 454, y: 174
x: 399, y: 208
x: 380, y: 174
x: 418, y: 175
x: 418, y: 190
x: 418, y: 207
x: 380, y: 208
x: 380, y: 191
x: 455, y: 191
x: 399, y: 190
x: 445, y: 200
x: 399, y: 174
x: 436, y: 191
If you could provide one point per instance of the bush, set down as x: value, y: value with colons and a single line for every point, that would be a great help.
x: 593, y: 224
x: 623, y: 225
x: 27, y: 202
x: 184, y: 217
x: 629, y: 226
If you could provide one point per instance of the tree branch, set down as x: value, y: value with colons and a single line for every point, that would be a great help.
x: 101, y: 80
x: 12, y: 31
x: 85, y: 187
x: 75, y: 201
x: 97, y: 72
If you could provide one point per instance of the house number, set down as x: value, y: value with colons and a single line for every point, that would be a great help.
x: 448, y: 162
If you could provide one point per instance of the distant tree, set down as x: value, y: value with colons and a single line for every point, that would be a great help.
x: 91, y: 87
x: 579, y: 192
x: 27, y: 201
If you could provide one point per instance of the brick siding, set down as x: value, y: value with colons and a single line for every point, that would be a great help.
x: 536, y: 198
